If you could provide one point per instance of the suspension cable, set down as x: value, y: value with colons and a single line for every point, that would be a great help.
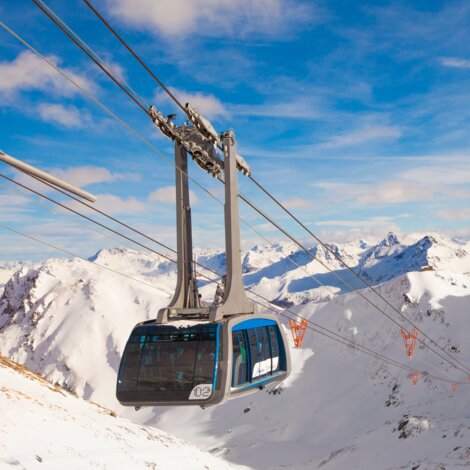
x: 140, y: 61
x: 367, y: 284
x: 136, y: 57
x: 245, y: 199
x: 88, y: 51
x: 463, y: 368
x: 318, y: 328
x: 138, y: 136
x: 70, y: 253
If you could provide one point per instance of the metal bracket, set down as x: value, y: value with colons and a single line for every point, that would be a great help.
x: 186, y: 298
x: 201, y: 140
x: 235, y: 300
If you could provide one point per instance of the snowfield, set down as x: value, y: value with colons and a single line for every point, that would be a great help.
x: 340, y: 409
x: 42, y: 426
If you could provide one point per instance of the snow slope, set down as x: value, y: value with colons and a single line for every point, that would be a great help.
x: 343, y: 410
x: 339, y: 409
x: 42, y: 426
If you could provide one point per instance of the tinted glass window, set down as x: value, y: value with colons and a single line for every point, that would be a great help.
x: 253, y: 348
x: 205, y: 360
x: 167, y: 365
x: 130, y: 367
x: 274, y: 348
x: 239, y: 361
x: 264, y: 351
x: 174, y: 361
x: 260, y: 352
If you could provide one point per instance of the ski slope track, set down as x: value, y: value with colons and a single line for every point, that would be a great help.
x: 69, y: 320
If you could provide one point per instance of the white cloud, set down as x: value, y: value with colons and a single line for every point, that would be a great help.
x: 363, y: 135
x: 115, y: 205
x: 454, y: 214
x: 167, y: 195
x: 455, y: 62
x: 421, y: 183
x: 298, y: 203
x: 29, y: 72
x: 394, y: 192
x: 208, y: 105
x: 297, y: 108
x: 68, y: 116
x: 182, y: 18
x: 382, y: 221
x: 13, y: 200
x: 15, y: 207
x: 448, y: 174
x: 79, y: 176
x: 386, y: 192
x: 86, y: 175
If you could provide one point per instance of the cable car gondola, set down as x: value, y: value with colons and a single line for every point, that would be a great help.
x: 194, y: 354
x: 201, y: 363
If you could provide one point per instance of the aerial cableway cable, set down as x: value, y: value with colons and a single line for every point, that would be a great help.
x: 64, y: 29
x: 70, y: 253
x: 367, y: 284
x: 63, y: 206
x: 141, y: 138
x: 324, y: 245
x: 81, y: 223
x: 70, y: 209
x: 462, y: 367
x: 136, y: 57
x: 88, y: 51
x: 338, y: 338
x: 316, y: 327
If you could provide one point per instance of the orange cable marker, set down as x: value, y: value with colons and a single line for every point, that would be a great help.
x: 409, y: 340
x: 298, y: 331
x: 414, y: 376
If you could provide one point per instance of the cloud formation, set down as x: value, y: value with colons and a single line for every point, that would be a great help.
x: 29, y: 72
x: 454, y: 214
x: 116, y: 205
x: 298, y: 203
x: 86, y: 175
x: 455, y: 62
x: 80, y: 176
x: 182, y: 18
x: 208, y: 105
x: 68, y: 116
x: 365, y: 134
x: 167, y: 195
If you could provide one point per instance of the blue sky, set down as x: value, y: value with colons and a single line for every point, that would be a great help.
x: 355, y: 114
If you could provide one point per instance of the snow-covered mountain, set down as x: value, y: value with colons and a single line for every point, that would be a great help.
x: 8, y: 268
x: 339, y: 409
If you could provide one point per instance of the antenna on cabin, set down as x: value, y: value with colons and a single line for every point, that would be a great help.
x: 43, y: 176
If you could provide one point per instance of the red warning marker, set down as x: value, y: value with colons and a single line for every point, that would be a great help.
x: 454, y: 387
x: 298, y: 331
x: 410, y: 340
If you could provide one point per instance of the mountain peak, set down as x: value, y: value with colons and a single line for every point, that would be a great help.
x: 390, y: 240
